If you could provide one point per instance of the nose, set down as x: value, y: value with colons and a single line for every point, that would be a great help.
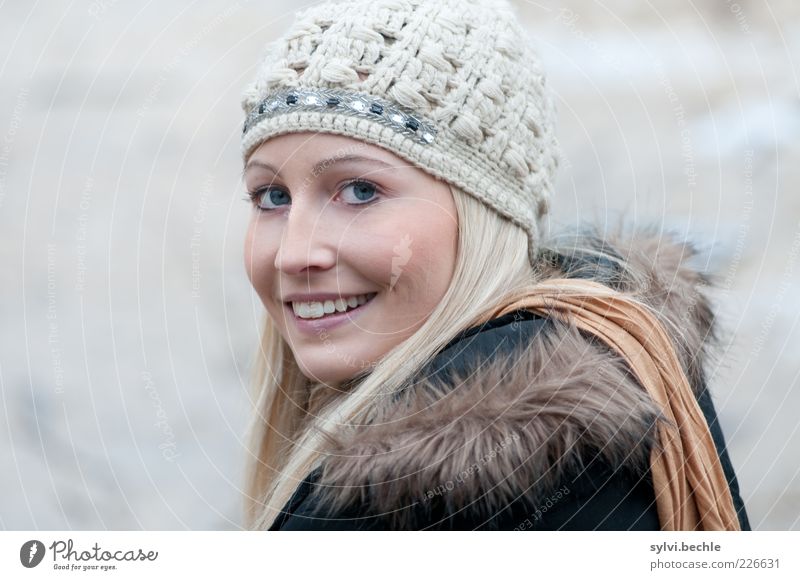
x: 307, y: 242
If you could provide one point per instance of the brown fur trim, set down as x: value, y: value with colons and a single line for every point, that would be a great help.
x: 677, y: 292
x: 520, y: 424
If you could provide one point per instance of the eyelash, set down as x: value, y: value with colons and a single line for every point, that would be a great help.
x: 253, y: 196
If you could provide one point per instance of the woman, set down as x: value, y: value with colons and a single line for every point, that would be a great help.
x: 429, y: 360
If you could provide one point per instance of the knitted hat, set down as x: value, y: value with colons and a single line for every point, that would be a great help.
x: 452, y: 86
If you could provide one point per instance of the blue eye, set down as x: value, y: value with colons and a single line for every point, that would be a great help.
x: 270, y: 198
x: 363, y: 191
x: 263, y: 198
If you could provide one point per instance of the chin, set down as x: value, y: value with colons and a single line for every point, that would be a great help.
x: 323, y: 373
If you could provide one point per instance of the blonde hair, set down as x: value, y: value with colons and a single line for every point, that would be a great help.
x: 287, y: 436
x: 285, y: 439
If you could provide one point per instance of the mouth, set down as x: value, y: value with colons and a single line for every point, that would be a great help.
x: 314, y: 315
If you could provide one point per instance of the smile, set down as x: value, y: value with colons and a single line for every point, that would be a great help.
x: 327, y: 320
x: 321, y: 309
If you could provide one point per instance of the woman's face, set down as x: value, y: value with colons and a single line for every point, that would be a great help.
x: 337, y: 221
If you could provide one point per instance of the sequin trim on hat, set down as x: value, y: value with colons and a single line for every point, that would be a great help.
x: 342, y: 102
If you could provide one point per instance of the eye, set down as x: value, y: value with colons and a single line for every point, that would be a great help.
x: 363, y: 192
x: 356, y: 192
x: 268, y: 198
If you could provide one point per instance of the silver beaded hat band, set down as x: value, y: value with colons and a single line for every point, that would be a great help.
x: 347, y: 103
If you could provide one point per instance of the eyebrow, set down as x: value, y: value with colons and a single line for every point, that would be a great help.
x: 321, y: 165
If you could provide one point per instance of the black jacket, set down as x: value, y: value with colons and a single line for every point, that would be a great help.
x: 523, y: 423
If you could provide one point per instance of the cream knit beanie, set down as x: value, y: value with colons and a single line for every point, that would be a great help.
x: 452, y: 86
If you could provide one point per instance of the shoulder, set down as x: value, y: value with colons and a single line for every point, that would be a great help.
x: 505, y: 415
x: 511, y: 412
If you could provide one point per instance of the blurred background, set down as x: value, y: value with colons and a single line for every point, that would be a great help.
x: 128, y: 324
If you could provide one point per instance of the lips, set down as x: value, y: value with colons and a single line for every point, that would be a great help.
x: 328, y: 321
x: 316, y: 309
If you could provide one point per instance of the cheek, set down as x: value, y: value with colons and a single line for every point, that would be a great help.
x: 412, y: 247
x: 259, y: 258
x: 429, y: 265
x: 434, y: 234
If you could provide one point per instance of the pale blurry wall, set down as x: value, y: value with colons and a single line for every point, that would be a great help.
x: 127, y: 320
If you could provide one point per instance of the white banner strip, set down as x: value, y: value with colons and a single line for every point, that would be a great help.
x: 330, y: 555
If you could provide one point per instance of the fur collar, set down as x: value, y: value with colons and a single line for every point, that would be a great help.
x: 471, y: 438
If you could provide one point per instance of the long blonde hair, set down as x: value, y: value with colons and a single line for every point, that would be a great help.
x: 284, y: 438
x: 286, y: 441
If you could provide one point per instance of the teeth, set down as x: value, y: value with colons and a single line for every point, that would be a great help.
x: 320, y: 309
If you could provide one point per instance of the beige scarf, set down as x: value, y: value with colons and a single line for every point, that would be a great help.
x: 691, y: 490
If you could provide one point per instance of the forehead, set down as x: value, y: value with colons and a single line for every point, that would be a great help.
x: 310, y: 146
